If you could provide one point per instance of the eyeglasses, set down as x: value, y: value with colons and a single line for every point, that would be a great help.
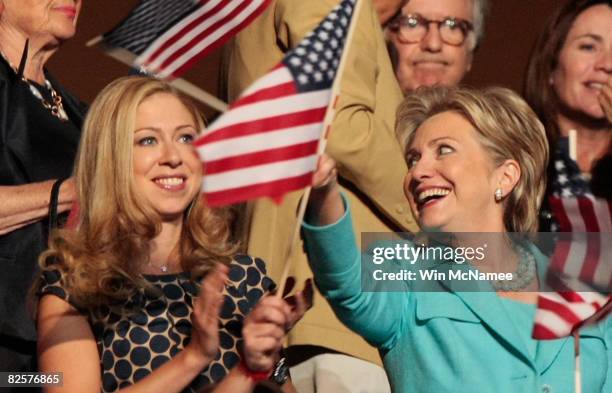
x: 413, y: 28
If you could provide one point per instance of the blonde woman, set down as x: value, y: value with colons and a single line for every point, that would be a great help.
x: 121, y: 307
x: 477, y: 164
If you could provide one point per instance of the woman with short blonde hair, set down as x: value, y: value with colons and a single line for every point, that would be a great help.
x: 476, y: 162
x: 505, y: 125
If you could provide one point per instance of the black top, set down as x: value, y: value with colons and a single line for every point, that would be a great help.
x: 155, y: 325
x: 34, y: 146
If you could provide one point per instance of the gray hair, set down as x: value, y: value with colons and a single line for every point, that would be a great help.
x: 479, y: 13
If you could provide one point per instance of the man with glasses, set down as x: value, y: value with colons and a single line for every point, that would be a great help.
x: 432, y: 41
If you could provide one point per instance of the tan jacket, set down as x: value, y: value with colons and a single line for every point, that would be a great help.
x: 362, y: 142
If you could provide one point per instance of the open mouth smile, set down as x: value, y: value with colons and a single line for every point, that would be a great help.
x: 426, y: 198
x: 171, y: 183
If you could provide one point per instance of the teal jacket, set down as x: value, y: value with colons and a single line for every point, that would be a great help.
x: 451, y: 341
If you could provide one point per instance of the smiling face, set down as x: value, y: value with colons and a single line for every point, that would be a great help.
x: 585, y: 61
x: 452, y: 179
x: 431, y: 61
x: 167, y: 170
x: 50, y: 20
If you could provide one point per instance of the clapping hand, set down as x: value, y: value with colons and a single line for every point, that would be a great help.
x: 205, y: 318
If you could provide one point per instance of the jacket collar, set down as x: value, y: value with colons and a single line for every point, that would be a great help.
x: 490, y: 311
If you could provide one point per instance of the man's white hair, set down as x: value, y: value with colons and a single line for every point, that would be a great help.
x: 479, y: 11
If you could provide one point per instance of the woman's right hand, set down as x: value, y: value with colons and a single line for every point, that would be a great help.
x: 204, y: 341
x: 325, y: 204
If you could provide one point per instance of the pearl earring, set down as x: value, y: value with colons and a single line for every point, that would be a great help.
x: 498, y: 194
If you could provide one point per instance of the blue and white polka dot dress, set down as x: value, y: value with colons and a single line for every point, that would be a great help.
x: 156, y: 325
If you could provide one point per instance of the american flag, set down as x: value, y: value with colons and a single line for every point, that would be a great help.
x: 266, y: 144
x: 170, y: 36
x: 580, y: 270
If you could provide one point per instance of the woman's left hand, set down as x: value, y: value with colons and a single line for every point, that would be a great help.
x: 300, y: 302
x: 605, y: 99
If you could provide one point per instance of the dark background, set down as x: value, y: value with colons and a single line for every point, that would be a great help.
x: 510, y: 32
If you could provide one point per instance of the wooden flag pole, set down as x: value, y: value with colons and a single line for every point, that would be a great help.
x: 94, y: 41
x: 329, y: 117
x: 183, y: 85
x: 576, y: 333
x: 577, y: 374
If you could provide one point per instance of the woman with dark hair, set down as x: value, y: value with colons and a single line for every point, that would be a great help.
x: 120, y: 300
x: 40, y: 124
x: 569, y: 85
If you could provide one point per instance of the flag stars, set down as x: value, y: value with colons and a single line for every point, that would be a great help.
x: 313, y: 63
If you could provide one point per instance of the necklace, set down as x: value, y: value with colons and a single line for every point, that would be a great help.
x: 56, y: 107
x: 163, y: 268
x: 524, y: 275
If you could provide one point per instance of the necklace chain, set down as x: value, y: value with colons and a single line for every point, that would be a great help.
x: 56, y: 107
x: 524, y: 275
x: 163, y: 268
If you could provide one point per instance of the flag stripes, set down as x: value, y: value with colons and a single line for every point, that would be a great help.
x: 267, y: 143
x: 581, y: 266
x: 170, y: 36
x: 560, y: 313
x: 204, y: 30
x: 148, y: 20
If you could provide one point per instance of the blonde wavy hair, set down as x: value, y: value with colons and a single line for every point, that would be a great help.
x: 506, y: 127
x: 102, y: 259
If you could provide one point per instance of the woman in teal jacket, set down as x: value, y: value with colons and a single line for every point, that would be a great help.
x: 477, y: 164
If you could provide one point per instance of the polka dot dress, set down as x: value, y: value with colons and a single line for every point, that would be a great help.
x: 158, y: 325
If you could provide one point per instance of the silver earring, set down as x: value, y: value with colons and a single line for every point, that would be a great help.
x: 498, y: 194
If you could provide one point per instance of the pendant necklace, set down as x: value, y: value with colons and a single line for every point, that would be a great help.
x: 56, y: 107
x: 163, y: 268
